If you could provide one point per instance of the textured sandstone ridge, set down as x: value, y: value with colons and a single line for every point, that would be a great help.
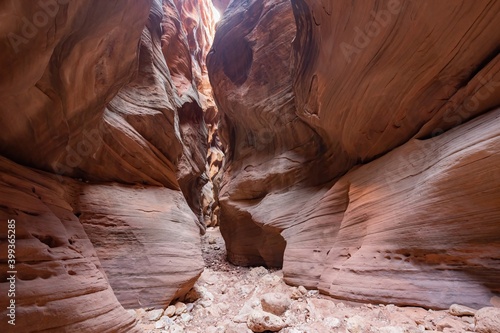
x: 60, y: 283
x: 259, y: 122
x: 410, y: 229
x: 55, y: 112
x: 98, y: 94
x: 188, y: 28
x: 414, y: 225
x: 150, y: 250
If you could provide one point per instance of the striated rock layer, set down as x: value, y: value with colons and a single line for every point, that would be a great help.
x: 60, y: 283
x: 150, y: 250
x: 346, y: 162
x: 408, y: 228
x: 113, y: 94
x: 188, y: 28
x: 269, y: 147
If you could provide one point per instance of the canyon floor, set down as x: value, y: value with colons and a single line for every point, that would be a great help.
x: 226, y: 296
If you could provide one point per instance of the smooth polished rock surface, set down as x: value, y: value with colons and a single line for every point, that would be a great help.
x: 150, y: 250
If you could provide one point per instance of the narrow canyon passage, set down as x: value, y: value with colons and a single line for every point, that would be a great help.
x: 250, y: 166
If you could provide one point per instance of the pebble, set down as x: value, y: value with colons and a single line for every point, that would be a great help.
x: 213, y: 311
x: 176, y: 329
x: 275, y: 303
x: 356, y: 324
x: 413, y: 329
x: 298, y: 292
x: 246, y: 289
x: 313, y: 293
x: 332, y: 322
x: 295, y: 293
x: 163, y: 322
x: 247, y: 308
x: 180, y: 307
x: 159, y: 324
x: 461, y: 310
x: 390, y: 307
x: 170, y: 311
x: 206, y: 303
x: 271, y: 280
x: 237, y: 328
x: 223, y: 289
x: 205, y: 294
x: 186, y: 317
x: 258, y: 272
x: 154, y: 315
x: 189, y: 307
x: 241, y: 318
x: 260, y: 321
x: 224, y: 307
x: 452, y: 323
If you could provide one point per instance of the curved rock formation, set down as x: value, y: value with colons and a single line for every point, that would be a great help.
x: 259, y: 121
x: 188, y: 28
x: 314, y: 177
x: 408, y: 228
x: 150, y: 250
x: 56, y: 114
x: 94, y: 91
x: 60, y: 284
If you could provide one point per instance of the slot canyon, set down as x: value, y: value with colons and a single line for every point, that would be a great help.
x: 234, y: 166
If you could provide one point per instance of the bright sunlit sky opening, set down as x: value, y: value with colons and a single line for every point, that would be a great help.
x: 216, y: 14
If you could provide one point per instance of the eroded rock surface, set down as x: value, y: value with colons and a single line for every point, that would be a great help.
x: 337, y: 167
x: 150, y: 250
x: 410, y: 224
x: 60, y: 284
x: 257, y: 127
x: 113, y: 94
